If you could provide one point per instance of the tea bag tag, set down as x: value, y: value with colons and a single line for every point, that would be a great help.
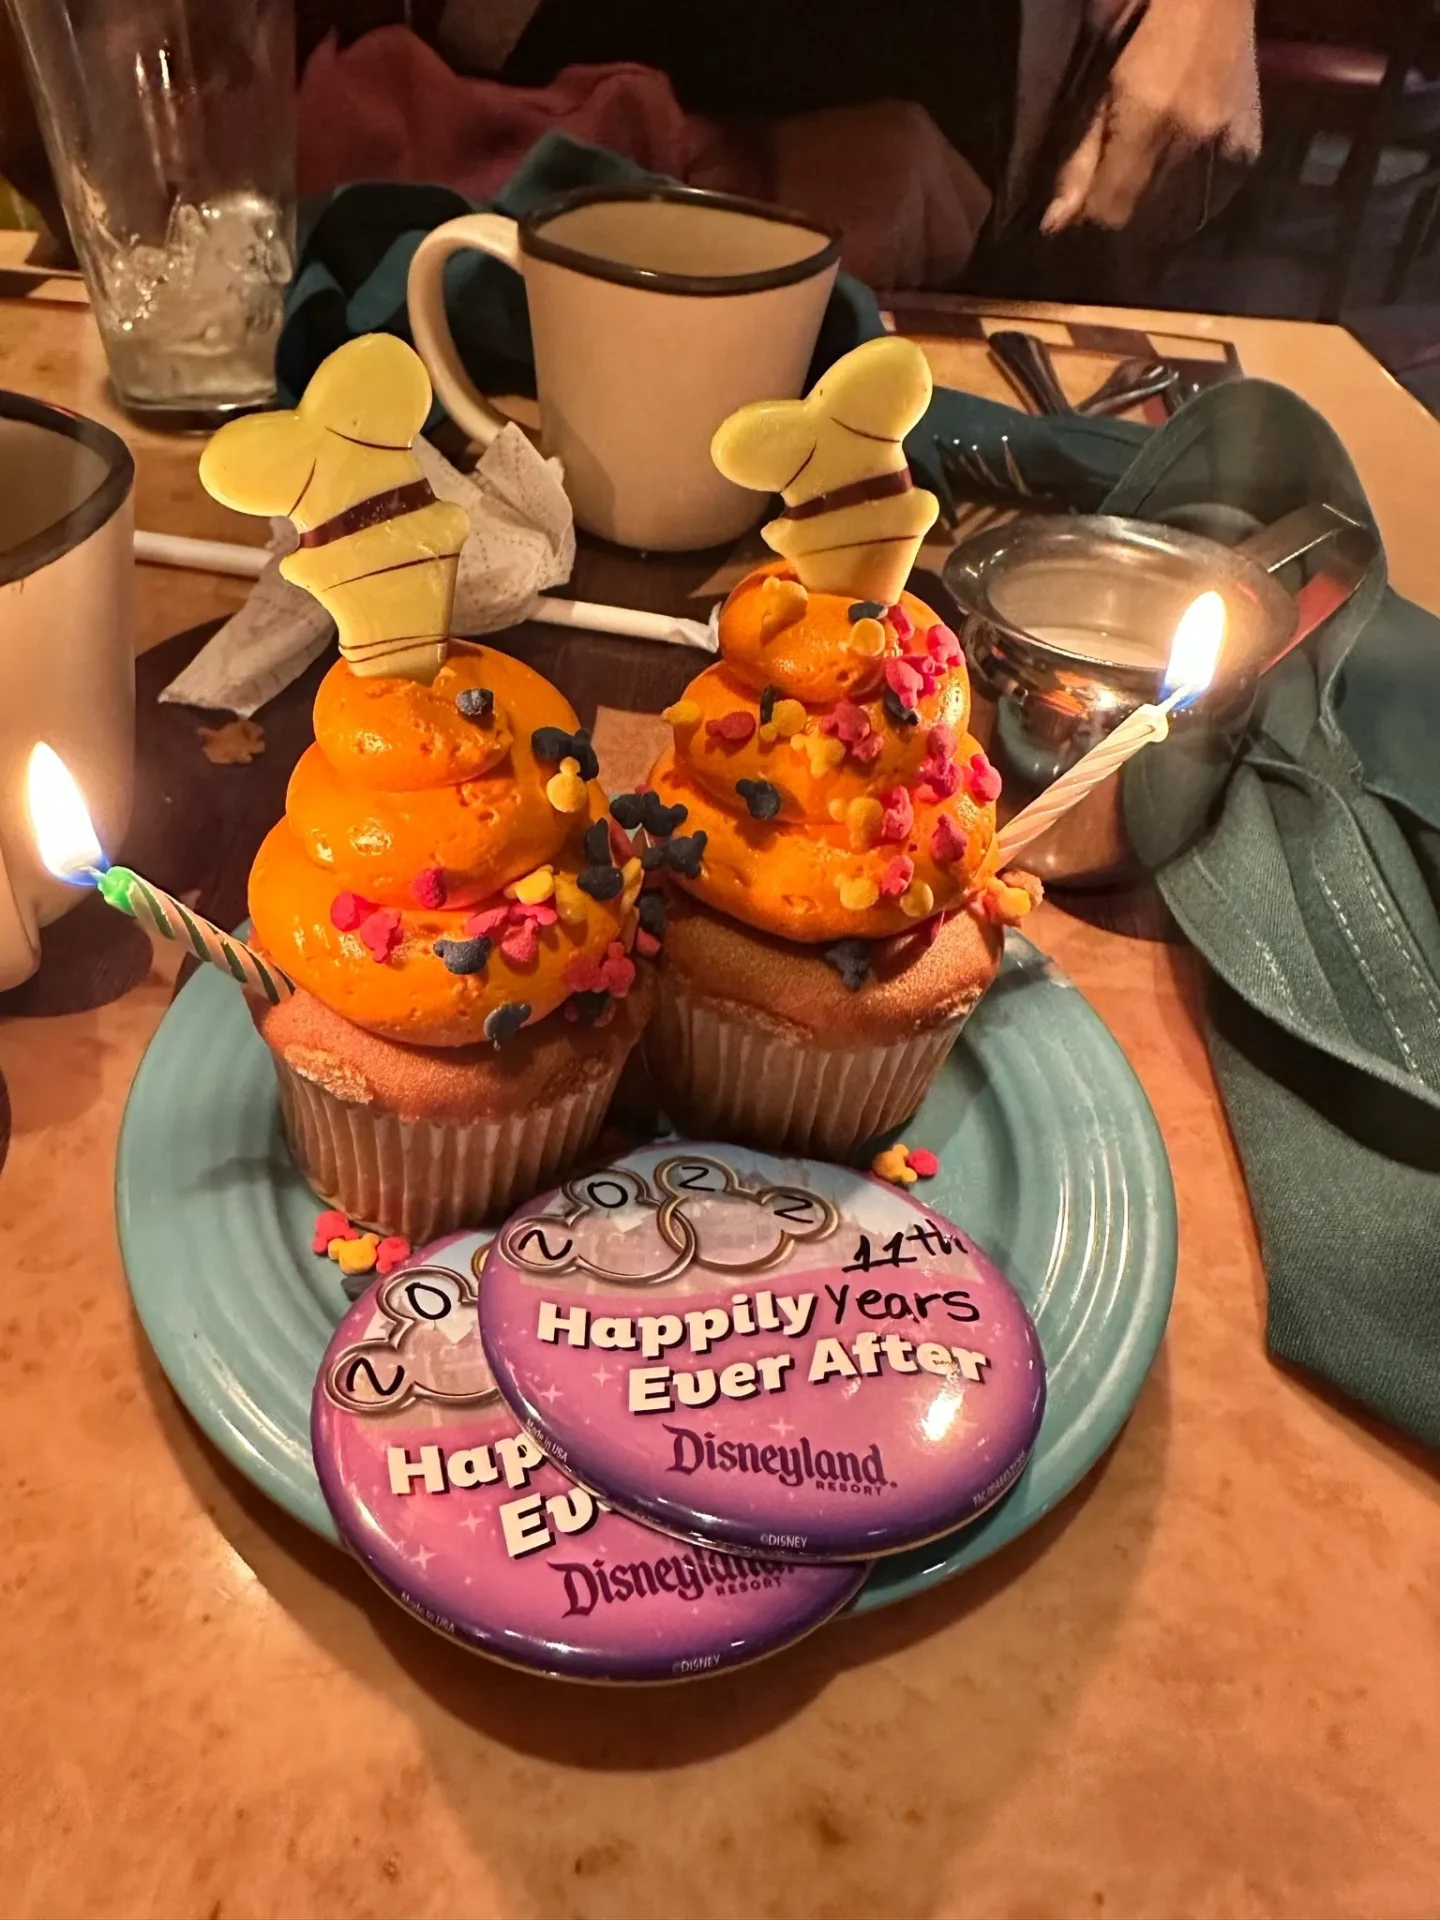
x: 377, y: 549
x: 853, y: 519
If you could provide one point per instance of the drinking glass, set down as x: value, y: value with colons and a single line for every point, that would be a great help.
x: 170, y: 126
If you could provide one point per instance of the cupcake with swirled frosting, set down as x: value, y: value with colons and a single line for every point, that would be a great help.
x: 835, y: 914
x: 447, y: 889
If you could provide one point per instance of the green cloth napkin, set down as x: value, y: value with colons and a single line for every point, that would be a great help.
x: 1313, y: 896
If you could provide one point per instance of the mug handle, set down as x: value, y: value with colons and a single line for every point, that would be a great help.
x: 488, y: 233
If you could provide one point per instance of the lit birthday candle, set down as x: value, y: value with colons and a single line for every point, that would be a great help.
x: 1194, y: 654
x: 70, y: 848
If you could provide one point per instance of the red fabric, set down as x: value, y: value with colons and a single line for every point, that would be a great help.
x: 906, y: 204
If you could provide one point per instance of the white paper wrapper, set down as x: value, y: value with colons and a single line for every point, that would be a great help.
x: 522, y: 539
x: 419, y: 1178
x: 719, y: 1074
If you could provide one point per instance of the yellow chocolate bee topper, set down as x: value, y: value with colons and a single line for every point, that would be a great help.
x: 377, y: 549
x: 853, y: 519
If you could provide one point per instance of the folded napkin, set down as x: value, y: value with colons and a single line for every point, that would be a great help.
x: 521, y: 539
x: 1314, y: 900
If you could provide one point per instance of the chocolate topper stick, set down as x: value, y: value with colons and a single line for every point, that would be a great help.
x: 853, y: 519
x: 377, y: 549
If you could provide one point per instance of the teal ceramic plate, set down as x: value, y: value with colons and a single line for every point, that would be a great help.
x: 1050, y: 1158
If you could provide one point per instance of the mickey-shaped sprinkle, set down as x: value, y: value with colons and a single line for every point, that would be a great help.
x: 650, y: 908
x: 506, y: 1021
x: 465, y: 956
x: 652, y: 859
x: 628, y: 809
x: 476, y: 703
x: 600, y: 882
x: 851, y: 960
x: 597, y: 844
x: 867, y: 610
x: 685, y: 852
x: 589, y: 1005
x: 762, y: 797
x: 768, y: 697
x: 553, y: 743
x: 659, y: 820
x: 902, y: 715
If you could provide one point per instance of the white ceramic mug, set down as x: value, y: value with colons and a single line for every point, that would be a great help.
x: 655, y: 312
x: 67, y: 649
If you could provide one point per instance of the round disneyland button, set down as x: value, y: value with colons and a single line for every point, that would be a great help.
x: 770, y: 1356
x: 464, y: 1520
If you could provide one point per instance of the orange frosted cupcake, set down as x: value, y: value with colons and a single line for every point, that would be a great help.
x: 830, y: 814
x: 446, y: 887
x: 450, y: 898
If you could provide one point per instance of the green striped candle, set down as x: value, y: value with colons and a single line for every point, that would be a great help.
x: 122, y: 888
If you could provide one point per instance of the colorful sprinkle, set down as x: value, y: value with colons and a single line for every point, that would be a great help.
x: 948, y: 843
x: 553, y: 743
x: 942, y: 645
x: 520, y: 944
x: 651, y: 909
x: 533, y: 887
x: 1005, y: 904
x: 392, y: 1252
x: 348, y: 911
x: 768, y: 696
x: 355, y: 1256
x: 600, y: 882
x: 427, y: 889
x: 858, y: 892
x: 903, y: 680
x: 658, y: 820
x: 565, y: 790
x: 476, y: 703
x: 550, y: 743
x: 652, y: 859
x: 540, y: 913
x: 626, y: 808
x: 329, y: 1226
x: 788, y: 718
x: 570, y: 902
x: 506, y: 1021
x: 898, y: 821
x: 597, y: 843
x: 683, y: 713
x: 465, y: 956
x: 902, y: 623
x: 866, y: 610
x: 893, y: 1164
x: 617, y: 970
x: 782, y: 603
x: 381, y: 933
x: 733, y: 728
x: 590, y: 1007
x: 918, y: 900
x: 922, y: 1161
x: 869, y: 639
x: 902, y: 715
x: 982, y: 779
x: 762, y: 798
x: 622, y: 847
x: 864, y: 818
x: 851, y: 960
x: 646, y: 943
x: 488, y: 920
x: 897, y: 877
x: 941, y: 779
x: 823, y: 751
x: 685, y: 852
x: 633, y: 874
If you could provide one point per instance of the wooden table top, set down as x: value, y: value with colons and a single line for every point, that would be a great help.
x: 1205, y: 1686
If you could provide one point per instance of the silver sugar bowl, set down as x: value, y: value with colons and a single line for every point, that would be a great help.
x: 1067, y: 625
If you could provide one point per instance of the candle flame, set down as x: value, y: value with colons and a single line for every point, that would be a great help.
x: 62, y: 826
x: 1195, y: 650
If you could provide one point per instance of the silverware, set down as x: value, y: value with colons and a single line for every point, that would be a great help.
x: 1026, y: 362
x: 1128, y: 384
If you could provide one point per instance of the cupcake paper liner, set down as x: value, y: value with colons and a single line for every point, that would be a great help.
x: 721, y: 1073
x: 421, y: 1178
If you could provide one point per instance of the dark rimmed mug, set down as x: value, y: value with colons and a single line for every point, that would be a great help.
x: 67, y: 665
x: 655, y: 311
